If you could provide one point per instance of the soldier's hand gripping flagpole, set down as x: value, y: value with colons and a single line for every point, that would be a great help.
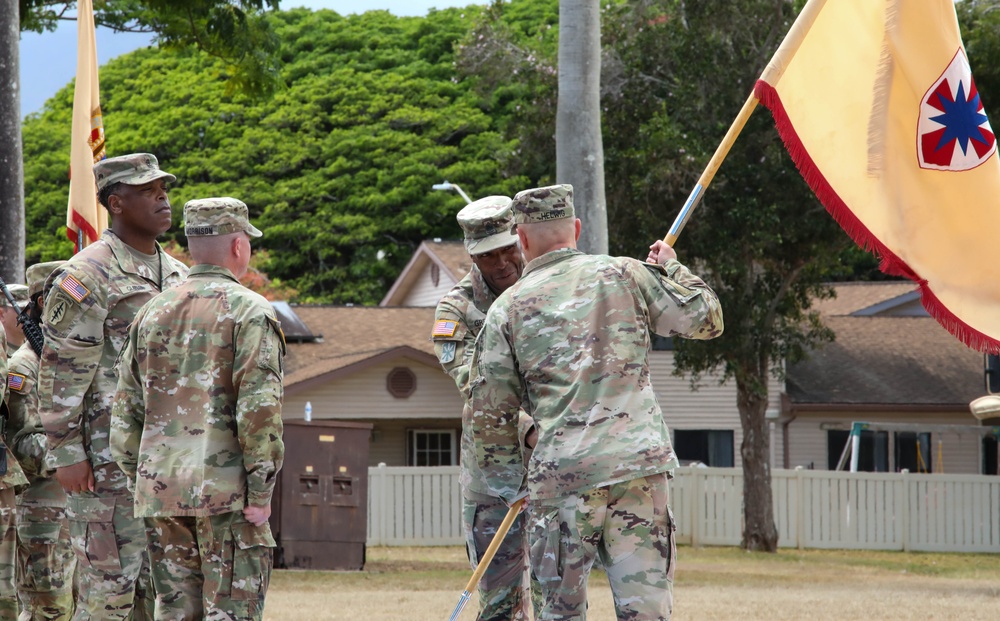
x: 484, y: 562
x: 787, y: 49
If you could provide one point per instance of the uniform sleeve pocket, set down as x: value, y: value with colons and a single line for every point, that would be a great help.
x: 269, y: 355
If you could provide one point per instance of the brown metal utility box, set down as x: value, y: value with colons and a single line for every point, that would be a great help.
x: 320, y: 509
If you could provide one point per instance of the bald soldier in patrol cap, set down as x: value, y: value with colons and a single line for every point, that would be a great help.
x: 45, y: 556
x: 496, y: 265
x: 92, y: 300
x: 569, y: 343
x: 196, y: 424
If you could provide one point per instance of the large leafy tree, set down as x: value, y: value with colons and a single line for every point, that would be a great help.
x: 337, y: 167
x: 234, y: 31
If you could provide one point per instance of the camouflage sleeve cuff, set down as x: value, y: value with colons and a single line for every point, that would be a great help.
x: 68, y: 454
x: 259, y: 499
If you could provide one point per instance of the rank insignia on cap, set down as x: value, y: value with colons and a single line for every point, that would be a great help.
x: 444, y: 327
x: 74, y: 288
x: 15, y: 381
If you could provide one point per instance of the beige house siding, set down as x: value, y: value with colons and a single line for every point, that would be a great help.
x: 363, y: 395
x: 958, y: 452
x: 711, y: 406
x: 424, y: 292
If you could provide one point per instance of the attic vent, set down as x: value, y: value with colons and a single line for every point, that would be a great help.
x: 401, y: 382
x: 435, y: 274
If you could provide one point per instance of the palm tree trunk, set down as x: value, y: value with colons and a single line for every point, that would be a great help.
x: 579, y: 146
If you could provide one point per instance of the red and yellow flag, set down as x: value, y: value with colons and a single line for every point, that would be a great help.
x: 877, y: 106
x: 85, y: 218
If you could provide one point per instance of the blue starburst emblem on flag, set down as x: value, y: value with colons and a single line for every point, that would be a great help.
x: 954, y: 132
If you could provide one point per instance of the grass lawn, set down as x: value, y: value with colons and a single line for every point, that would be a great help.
x: 713, y: 584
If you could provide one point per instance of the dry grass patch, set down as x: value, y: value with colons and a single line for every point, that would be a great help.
x: 713, y: 584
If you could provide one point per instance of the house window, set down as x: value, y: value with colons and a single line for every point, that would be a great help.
x: 913, y: 451
x: 873, y: 455
x: 712, y: 447
x: 990, y: 444
x: 401, y: 382
x: 432, y: 447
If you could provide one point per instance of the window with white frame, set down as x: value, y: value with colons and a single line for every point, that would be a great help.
x: 432, y: 447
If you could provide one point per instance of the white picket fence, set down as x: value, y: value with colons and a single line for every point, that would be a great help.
x: 812, y: 509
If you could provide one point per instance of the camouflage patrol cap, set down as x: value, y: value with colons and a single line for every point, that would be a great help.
x: 553, y: 202
x: 38, y: 273
x: 20, y: 294
x: 486, y: 223
x: 217, y: 216
x: 134, y: 169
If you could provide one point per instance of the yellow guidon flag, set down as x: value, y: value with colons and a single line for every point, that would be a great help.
x: 85, y: 219
x: 876, y: 104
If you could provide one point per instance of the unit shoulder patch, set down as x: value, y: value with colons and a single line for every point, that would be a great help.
x: 448, y: 349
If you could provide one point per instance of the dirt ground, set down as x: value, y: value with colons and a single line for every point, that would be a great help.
x: 713, y: 584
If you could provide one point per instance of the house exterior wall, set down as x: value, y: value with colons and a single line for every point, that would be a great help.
x: 711, y: 406
x: 424, y: 292
x: 957, y: 453
x: 363, y: 395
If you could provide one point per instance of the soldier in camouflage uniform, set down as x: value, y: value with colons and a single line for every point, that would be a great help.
x: 197, y: 427
x: 45, y: 558
x: 569, y: 343
x: 89, y: 305
x: 497, y: 264
x: 8, y: 316
x: 12, y: 480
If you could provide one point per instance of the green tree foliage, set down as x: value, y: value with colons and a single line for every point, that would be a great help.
x: 337, y: 168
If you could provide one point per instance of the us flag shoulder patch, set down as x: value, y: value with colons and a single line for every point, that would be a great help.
x: 74, y: 288
x: 445, y: 327
x: 15, y: 381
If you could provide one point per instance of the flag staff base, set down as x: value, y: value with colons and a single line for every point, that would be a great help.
x: 484, y: 562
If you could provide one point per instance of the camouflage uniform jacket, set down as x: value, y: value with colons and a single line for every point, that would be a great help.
x: 14, y: 477
x: 25, y: 435
x: 196, y: 424
x: 92, y: 300
x: 463, y: 310
x: 569, y: 343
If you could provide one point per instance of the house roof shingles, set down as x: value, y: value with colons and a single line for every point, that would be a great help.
x: 884, y: 360
x: 453, y: 255
x: 352, y: 334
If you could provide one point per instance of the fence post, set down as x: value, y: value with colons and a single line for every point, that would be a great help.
x: 904, y: 517
x: 695, y: 504
x: 383, y: 509
x: 800, y: 518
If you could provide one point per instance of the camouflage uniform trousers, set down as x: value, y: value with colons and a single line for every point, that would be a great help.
x: 216, y: 568
x: 502, y: 594
x: 112, y: 567
x: 45, y: 563
x: 8, y: 555
x: 628, y: 526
